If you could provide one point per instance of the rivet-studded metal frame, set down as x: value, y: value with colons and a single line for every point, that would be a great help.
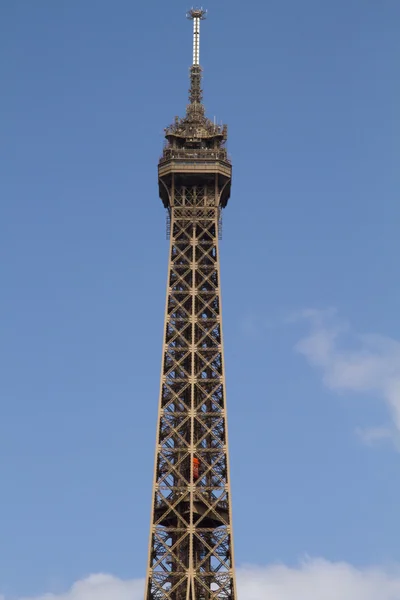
x: 191, y: 545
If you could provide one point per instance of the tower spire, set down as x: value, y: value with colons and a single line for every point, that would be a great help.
x: 196, y: 94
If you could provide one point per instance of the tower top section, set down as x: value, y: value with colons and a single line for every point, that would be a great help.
x: 195, y: 128
x: 195, y: 145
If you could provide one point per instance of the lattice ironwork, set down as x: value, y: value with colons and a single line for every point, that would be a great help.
x: 191, y: 543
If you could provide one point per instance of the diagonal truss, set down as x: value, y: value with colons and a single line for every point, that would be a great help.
x: 191, y: 546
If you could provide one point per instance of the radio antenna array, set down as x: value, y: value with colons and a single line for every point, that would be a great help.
x: 196, y: 15
x: 195, y: 95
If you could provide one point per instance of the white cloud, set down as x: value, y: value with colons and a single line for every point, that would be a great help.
x: 99, y: 587
x: 318, y: 580
x: 356, y: 363
x: 312, y: 580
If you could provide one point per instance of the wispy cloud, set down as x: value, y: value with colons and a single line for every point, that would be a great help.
x: 362, y: 363
x: 372, y: 435
x: 315, y: 579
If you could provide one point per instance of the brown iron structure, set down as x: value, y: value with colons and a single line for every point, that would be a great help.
x: 191, y: 544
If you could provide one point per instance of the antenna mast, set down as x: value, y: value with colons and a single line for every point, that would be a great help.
x: 196, y: 15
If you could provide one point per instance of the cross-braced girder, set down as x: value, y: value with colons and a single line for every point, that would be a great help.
x: 191, y: 546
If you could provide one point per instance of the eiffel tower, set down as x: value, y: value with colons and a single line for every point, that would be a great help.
x: 191, y: 544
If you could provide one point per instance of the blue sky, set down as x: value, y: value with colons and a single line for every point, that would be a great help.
x: 310, y: 275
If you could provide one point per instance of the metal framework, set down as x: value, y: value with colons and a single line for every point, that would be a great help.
x: 191, y: 544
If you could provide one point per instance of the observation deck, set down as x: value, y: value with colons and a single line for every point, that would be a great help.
x: 194, y: 154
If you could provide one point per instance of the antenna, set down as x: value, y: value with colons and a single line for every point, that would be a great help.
x: 196, y: 15
x: 195, y: 95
